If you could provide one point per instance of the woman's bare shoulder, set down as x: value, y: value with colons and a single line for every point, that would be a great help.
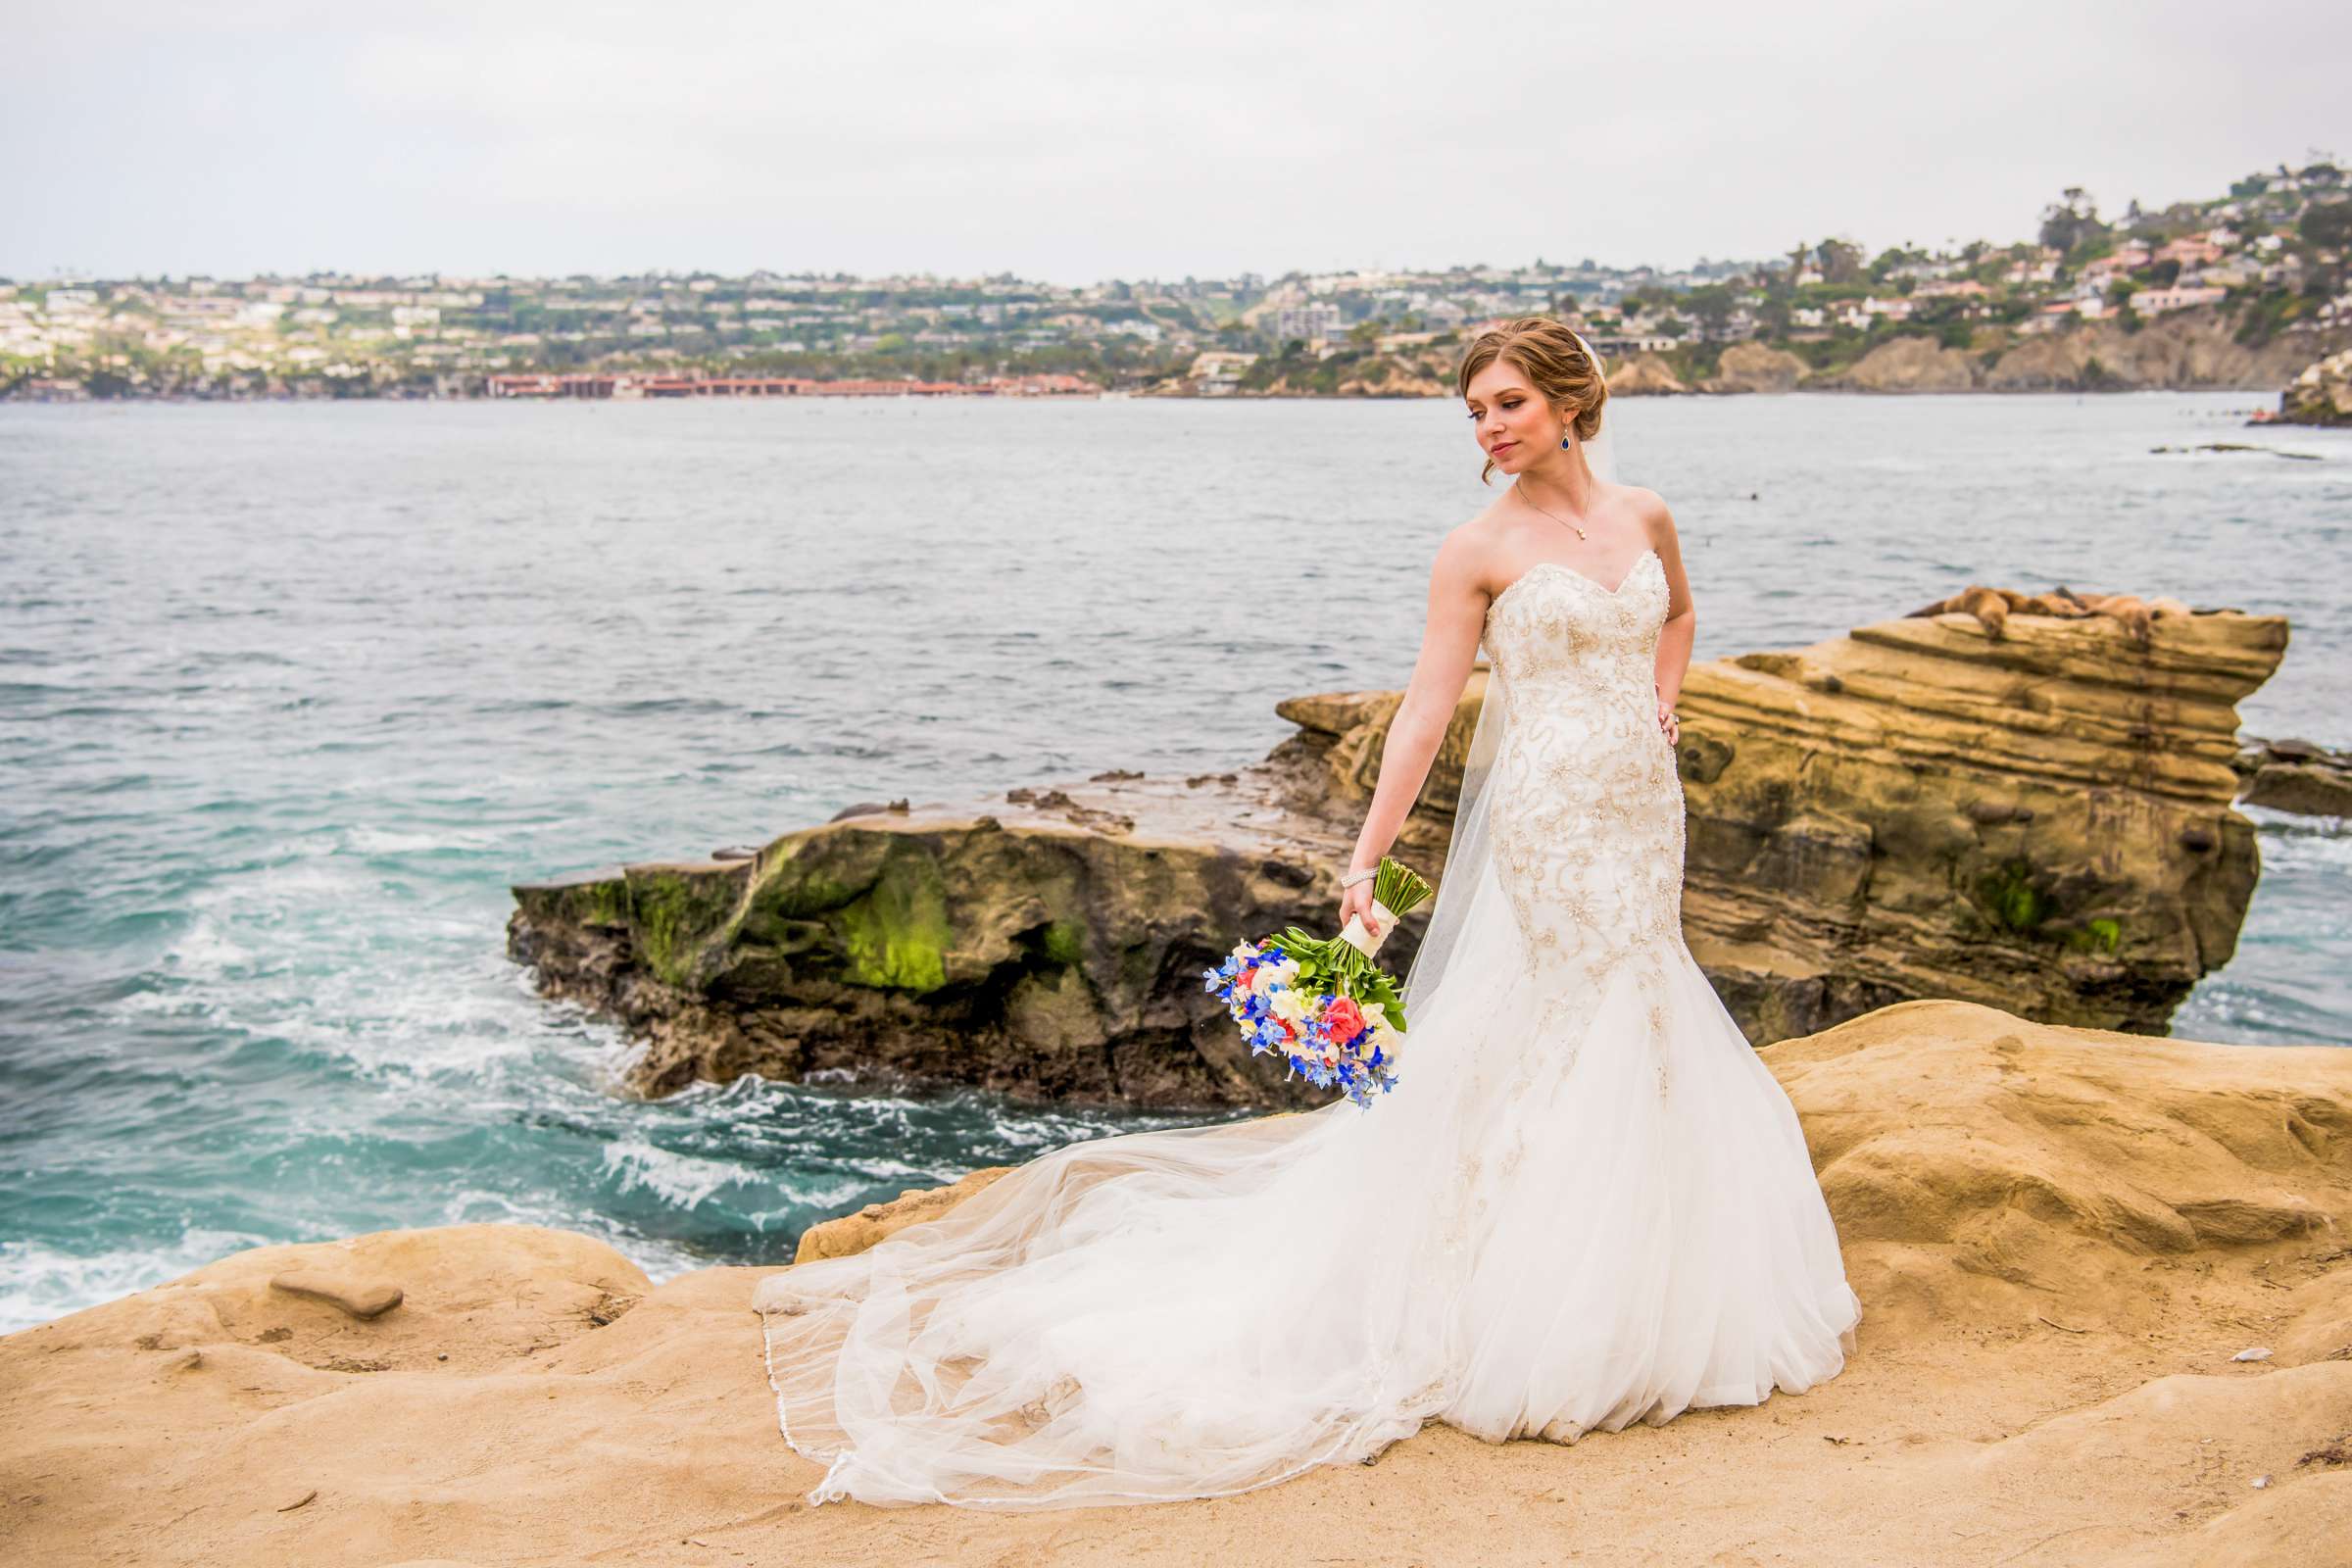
x: 1648, y: 507
x: 1468, y: 551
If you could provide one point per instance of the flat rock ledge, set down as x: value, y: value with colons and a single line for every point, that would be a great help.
x: 2022, y: 800
x: 2297, y: 776
x: 2107, y: 1323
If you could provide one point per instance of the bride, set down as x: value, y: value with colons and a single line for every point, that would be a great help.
x: 1586, y: 1204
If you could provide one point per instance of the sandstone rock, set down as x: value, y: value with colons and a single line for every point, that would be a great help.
x: 362, y: 1298
x: 2033, y: 814
x: 2053, y: 1231
x: 473, y: 1298
x: 1755, y: 367
x: 854, y: 1233
x: 1646, y: 376
x: 2027, y: 802
x: 1911, y: 364
x: 1919, y: 1114
x: 2322, y: 394
x: 2295, y: 775
x: 1019, y: 951
x: 1052, y: 948
x: 2192, y: 348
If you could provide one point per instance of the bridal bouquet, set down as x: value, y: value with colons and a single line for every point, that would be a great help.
x: 1321, y: 1001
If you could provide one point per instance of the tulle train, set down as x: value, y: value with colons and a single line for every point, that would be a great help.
x: 1585, y: 1204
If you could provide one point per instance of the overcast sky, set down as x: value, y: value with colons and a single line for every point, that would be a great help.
x: 1076, y: 142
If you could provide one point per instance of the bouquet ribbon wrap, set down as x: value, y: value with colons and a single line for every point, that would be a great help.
x: 1363, y: 940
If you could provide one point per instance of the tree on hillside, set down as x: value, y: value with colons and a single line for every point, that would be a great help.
x: 1839, y: 260
x: 1713, y: 305
x: 2072, y: 221
x: 2326, y: 224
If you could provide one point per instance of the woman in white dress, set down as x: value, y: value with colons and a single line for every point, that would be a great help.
x: 1587, y: 1201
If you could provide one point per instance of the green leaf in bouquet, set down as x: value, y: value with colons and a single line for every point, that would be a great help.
x: 1381, y: 988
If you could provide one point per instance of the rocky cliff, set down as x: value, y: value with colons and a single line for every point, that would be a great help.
x: 2107, y: 1321
x: 2321, y: 393
x: 1755, y: 367
x: 2031, y: 811
x: 1646, y: 375
x: 2180, y: 350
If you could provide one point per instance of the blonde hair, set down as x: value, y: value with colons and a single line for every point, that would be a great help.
x: 1542, y: 349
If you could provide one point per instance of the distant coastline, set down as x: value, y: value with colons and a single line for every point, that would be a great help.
x: 2240, y: 291
x: 2194, y: 350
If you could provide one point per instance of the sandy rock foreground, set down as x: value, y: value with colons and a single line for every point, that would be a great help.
x: 2063, y: 1239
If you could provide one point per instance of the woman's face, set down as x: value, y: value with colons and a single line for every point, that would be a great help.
x: 1513, y: 425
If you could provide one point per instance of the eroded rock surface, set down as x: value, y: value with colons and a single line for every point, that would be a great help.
x: 2019, y: 800
x: 2322, y: 394
x: 2297, y: 776
x: 2031, y: 810
x: 2062, y: 1240
x: 1755, y: 367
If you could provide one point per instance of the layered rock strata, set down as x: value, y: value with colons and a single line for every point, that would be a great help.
x: 2027, y: 810
x: 2026, y: 806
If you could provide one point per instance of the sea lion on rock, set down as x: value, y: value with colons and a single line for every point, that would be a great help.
x: 1992, y: 607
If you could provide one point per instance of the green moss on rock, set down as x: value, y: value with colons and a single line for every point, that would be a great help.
x: 2008, y: 893
x: 1065, y: 941
x: 898, y: 934
x: 678, y: 915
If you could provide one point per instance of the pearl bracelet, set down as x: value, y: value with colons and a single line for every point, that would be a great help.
x: 1347, y: 882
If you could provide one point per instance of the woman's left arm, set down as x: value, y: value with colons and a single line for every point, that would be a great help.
x: 1675, y: 637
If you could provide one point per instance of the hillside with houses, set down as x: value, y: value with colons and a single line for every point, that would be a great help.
x: 2240, y: 290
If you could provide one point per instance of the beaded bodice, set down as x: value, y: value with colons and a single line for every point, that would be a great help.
x: 1587, y: 822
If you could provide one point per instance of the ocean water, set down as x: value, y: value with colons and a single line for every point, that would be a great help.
x: 289, y: 694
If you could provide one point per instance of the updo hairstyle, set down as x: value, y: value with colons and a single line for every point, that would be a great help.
x: 1542, y: 349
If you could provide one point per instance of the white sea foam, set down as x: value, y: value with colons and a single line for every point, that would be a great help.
x: 364, y: 840
x: 684, y: 1180
x: 39, y: 1282
x: 205, y: 952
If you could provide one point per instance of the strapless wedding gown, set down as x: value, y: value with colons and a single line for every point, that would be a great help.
x: 1587, y: 1201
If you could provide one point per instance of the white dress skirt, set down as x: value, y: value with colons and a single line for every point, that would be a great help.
x: 1587, y: 1201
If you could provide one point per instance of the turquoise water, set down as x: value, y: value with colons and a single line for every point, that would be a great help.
x: 289, y: 694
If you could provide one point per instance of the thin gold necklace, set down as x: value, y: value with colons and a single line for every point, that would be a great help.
x: 1547, y: 511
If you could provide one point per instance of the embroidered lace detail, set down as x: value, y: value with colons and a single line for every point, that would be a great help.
x: 1587, y: 824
